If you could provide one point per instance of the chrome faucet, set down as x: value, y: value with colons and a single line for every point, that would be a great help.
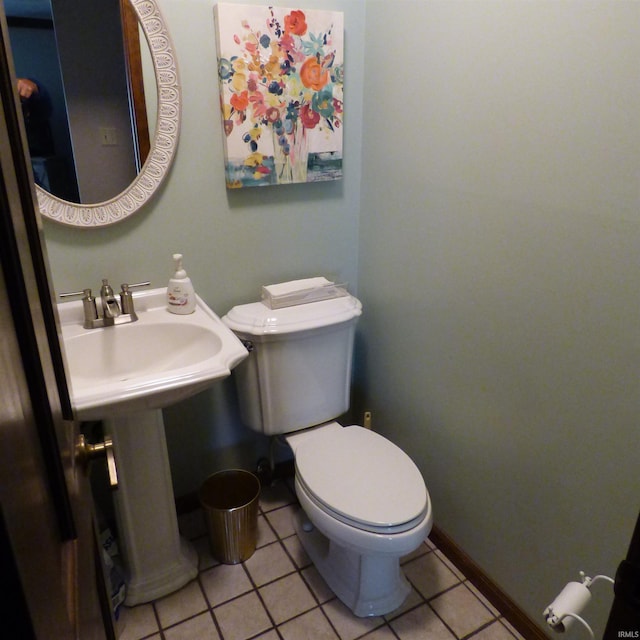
x: 112, y: 312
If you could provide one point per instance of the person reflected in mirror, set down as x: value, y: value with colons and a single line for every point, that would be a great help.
x: 36, y: 110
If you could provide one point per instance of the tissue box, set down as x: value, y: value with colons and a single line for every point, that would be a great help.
x: 295, y: 292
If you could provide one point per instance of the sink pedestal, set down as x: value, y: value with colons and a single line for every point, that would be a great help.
x: 157, y: 560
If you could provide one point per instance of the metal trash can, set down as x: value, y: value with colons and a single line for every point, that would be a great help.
x: 230, y: 502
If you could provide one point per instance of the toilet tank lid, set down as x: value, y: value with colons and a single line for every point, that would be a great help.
x: 256, y: 318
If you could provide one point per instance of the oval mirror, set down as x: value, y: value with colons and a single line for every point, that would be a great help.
x: 163, y: 144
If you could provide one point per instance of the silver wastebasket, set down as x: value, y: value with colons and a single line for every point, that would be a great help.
x: 230, y: 503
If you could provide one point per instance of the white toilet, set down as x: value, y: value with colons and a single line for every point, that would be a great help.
x: 364, y: 501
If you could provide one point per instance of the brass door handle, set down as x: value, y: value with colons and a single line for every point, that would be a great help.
x: 86, y: 452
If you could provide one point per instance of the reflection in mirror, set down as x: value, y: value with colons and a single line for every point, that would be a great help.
x: 102, y: 119
x: 80, y: 85
x: 42, y: 95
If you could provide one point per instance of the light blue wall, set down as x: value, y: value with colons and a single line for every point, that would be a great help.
x: 233, y: 241
x: 491, y: 197
x: 499, y: 242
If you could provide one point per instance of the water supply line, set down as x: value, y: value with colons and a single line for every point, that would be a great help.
x: 570, y: 602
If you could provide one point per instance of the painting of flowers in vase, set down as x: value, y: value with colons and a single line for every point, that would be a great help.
x: 281, y: 77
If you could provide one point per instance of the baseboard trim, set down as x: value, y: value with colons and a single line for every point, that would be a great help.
x: 520, y: 621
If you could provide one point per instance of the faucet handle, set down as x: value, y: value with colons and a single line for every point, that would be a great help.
x: 85, y: 292
x: 88, y: 306
x: 126, y: 299
x: 135, y: 285
x: 125, y: 286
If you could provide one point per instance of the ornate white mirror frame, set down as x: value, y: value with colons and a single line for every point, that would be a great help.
x: 163, y: 146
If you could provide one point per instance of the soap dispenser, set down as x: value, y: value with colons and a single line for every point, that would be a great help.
x: 181, y: 297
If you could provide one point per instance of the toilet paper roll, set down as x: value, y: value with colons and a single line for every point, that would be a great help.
x: 572, y: 599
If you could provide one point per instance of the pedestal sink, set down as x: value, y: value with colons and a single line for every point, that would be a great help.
x: 124, y: 375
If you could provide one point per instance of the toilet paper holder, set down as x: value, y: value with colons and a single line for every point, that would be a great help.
x: 570, y: 602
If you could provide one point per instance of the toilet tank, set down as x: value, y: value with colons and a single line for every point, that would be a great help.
x: 298, y: 373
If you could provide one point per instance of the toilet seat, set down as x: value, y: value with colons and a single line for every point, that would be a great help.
x: 386, y: 492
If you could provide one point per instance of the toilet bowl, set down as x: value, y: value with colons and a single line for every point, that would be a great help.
x: 364, y: 506
x: 364, y: 502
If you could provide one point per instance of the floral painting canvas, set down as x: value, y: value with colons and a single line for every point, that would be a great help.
x: 281, y: 91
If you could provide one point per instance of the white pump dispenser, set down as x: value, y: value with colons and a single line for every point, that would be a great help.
x: 181, y: 297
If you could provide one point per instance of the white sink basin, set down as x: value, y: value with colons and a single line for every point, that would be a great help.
x: 158, y: 360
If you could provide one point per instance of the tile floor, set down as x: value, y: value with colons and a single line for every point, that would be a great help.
x: 278, y: 595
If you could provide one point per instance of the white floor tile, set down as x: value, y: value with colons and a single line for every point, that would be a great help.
x: 450, y: 564
x: 429, y: 575
x: 265, y: 533
x: 482, y: 599
x: 296, y: 551
x: 318, y: 586
x: 461, y: 610
x: 413, y: 600
x: 201, y: 627
x: 269, y: 563
x: 383, y: 633
x: 225, y: 582
x: 270, y: 635
x: 137, y: 622
x: 180, y: 605
x: 495, y: 631
x: 282, y: 520
x: 310, y: 625
x: 287, y: 598
x: 419, y: 624
x: 242, y: 618
x: 346, y: 624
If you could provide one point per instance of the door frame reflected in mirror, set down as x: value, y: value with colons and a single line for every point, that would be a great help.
x: 135, y: 81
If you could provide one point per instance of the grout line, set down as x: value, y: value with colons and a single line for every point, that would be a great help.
x: 264, y: 604
x: 451, y: 631
x: 479, y: 629
x: 480, y: 598
x: 216, y: 624
x: 210, y: 608
x: 157, y: 617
